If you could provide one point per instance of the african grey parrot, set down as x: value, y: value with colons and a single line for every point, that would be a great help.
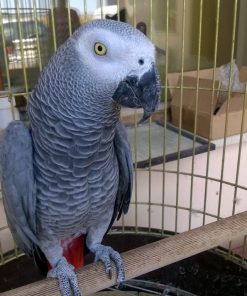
x: 71, y: 172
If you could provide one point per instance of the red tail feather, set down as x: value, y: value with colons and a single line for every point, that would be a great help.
x: 73, y: 251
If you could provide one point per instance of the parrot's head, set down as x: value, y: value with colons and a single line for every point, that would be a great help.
x: 121, y: 61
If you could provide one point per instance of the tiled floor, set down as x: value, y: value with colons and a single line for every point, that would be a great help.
x: 156, y: 133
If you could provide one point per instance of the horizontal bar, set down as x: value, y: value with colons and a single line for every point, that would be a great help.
x: 139, y: 261
x: 195, y: 175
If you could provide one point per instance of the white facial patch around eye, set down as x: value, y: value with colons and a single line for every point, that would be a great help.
x: 121, y: 56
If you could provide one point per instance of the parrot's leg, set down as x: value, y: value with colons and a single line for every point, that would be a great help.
x: 66, y: 276
x: 61, y: 269
x: 105, y: 253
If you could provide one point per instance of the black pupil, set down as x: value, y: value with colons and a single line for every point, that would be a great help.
x: 100, y: 48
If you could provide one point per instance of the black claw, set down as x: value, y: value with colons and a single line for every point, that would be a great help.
x: 110, y: 274
x: 119, y: 286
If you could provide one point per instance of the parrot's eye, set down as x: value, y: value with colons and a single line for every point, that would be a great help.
x: 99, y: 48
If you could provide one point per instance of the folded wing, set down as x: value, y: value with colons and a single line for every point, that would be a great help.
x: 125, y: 164
x: 18, y: 186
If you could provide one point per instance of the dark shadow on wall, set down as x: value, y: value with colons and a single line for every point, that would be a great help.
x: 209, y: 20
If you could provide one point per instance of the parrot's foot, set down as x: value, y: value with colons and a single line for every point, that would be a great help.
x: 106, y: 254
x: 66, y: 276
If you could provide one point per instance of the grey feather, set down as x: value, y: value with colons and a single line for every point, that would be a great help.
x: 18, y: 185
x: 125, y: 164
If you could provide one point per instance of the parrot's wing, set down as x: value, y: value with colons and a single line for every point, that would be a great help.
x: 125, y: 163
x: 18, y: 185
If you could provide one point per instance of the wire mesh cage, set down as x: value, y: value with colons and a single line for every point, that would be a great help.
x: 190, y: 158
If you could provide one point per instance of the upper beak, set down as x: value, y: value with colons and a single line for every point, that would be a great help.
x: 134, y: 92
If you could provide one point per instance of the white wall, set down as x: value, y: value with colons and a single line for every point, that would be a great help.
x: 198, y: 191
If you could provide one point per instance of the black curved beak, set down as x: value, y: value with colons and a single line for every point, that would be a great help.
x: 133, y: 92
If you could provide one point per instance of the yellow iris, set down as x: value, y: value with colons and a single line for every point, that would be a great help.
x: 99, y: 48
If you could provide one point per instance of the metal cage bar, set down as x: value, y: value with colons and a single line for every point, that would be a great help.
x: 196, y: 111
x: 228, y: 101
x: 165, y: 117
x: 36, y: 32
x: 180, y: 113
x: 212, y: 103
x: 150, y: 136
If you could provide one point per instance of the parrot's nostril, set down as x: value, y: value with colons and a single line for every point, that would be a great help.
x: 141, y: 61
